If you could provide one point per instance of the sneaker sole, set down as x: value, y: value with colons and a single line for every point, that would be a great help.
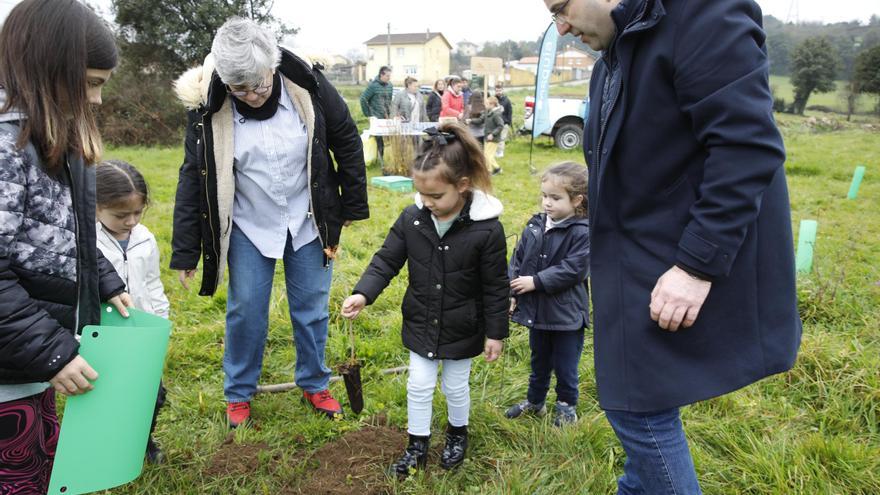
x: 331, y: 415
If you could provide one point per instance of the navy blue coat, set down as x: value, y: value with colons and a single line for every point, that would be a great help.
x: 689, y: 170
x: 559, y: 262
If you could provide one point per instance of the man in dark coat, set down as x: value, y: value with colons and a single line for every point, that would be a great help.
x: 692, y: 265
x: 376, y: 102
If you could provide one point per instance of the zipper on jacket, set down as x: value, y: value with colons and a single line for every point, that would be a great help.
x: 214, y: 238
x: 75, y: 242
x: 311, y: 212
x: 125, y: 263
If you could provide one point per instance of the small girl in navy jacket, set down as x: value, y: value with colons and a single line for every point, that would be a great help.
x: 548, y: 274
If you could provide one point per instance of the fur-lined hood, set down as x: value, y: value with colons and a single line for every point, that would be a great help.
x: 483, y: 205
x: 193, y: 86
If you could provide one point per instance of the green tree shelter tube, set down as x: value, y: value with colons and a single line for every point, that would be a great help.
x: 856, y: 182
x: 806, y: 242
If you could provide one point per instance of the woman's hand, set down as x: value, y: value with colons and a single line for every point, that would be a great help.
x: 73, y: 379
x: 493, y: 349
x: 353, y: 305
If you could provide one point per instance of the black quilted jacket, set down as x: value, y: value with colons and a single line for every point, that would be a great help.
x: 50, y: 266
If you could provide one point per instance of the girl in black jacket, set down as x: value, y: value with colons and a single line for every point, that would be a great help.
x: 548, y: 276
x: 456, y: 304
x: 55, y: 56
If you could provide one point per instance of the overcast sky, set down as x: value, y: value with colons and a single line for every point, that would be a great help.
x: 341, y: 25
x: 344, y: 24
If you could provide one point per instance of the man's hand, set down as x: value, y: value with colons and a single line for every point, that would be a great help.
x: 353, y: 305
x: 73, y: 379
x: 121, y: 302
x: 489, y: 137
x: 493, y: 349
x: 347, y: 223
x: 184, y: 276
x: 677, y: 298
x: 512, y: 306
x: 521, y: 285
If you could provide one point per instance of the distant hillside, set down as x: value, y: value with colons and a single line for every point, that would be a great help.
x: 849, y: 38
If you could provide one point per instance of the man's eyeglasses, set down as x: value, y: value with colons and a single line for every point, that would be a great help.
x: 241, y: 93
x: 555, y: 15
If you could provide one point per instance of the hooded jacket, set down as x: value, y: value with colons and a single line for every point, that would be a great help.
x: 138, y: 266
x: 206, y: 186
x: 492, y: 122
x: 452, y: 105
x: 458, y: 286
x: 52, y: 276
x: 558, y: 260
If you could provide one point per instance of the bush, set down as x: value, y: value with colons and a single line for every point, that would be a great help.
x: 140, y: 109
x: 779, y: 105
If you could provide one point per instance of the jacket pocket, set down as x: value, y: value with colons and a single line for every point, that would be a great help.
x: 459, y: 323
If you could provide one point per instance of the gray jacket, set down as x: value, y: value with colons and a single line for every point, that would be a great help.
x: 402, y: 106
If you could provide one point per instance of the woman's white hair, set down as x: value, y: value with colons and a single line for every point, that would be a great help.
x: 244, y: 52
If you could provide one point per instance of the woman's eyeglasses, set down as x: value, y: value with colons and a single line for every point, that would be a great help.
x: 241, y: 93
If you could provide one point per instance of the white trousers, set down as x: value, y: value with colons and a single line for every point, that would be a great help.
x: 420, y: 392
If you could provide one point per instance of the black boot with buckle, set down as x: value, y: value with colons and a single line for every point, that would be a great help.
x: 456, y: 446
x: 415, y: 456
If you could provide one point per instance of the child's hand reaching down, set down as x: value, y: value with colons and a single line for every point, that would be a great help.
x: 493, y: 349
x: 521, y: 285
x: 353, y: 305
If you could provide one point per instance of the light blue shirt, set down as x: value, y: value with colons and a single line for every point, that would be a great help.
x: 271, y: 180
x: 14, y: 392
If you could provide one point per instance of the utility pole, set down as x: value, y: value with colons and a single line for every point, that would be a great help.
x: 388, y: 44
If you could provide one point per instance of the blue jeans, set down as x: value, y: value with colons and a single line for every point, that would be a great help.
x: 658, y: 461
x: 559, y: 352
x: 247, y: 314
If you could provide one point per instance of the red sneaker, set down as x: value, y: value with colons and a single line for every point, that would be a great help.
x: 238, y: 413
x: 324, y: 403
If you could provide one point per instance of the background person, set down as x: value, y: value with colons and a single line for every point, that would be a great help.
x: 435, y: 100
x: 376, y: 102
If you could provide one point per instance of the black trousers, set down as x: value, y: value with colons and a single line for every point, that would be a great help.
x: 559, y: 352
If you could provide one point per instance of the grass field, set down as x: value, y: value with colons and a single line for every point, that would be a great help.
x: 815, y: 430
x: 835, y: 100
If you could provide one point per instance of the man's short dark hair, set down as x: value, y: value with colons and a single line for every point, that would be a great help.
x: 384, y: 70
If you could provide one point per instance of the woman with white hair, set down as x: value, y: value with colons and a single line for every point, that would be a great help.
x: 258, y: 184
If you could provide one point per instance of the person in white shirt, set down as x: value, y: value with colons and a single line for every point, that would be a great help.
x: 121, y: 196
x: 273, y: 170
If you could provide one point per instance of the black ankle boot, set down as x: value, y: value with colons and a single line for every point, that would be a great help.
x: 456, y: 446
x: 154, y: 453
x: 414, y: 457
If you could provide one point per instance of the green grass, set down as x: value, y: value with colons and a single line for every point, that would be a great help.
x: 815, y: 430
